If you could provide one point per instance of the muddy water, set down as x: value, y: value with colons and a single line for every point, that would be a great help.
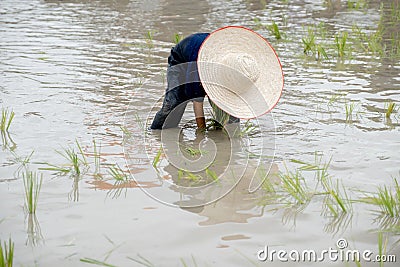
x: 70, y: 70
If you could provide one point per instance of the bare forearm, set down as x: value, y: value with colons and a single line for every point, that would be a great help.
x: 199, y: 114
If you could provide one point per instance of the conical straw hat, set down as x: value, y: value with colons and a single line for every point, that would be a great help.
x: 240, y: 72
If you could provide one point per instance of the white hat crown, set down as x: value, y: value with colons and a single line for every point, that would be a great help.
x: 239, y: 72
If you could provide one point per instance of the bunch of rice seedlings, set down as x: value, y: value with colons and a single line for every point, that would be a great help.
x: 341, y: 44
x: 220, y: 117
x: 275, y: 30
x: 72, y: 157
x: 6, y: 119
x: 295, y: 185
x: 388, y: 200
x: 371, y: 42
x: 350, y: 109
x: 337, y: 201
x: 191, y: 151
x: 311, y: 47
x: 32, y: 185
x: 149, y: 39
x: 74, y: 164
x: 120, y: 177
x: 6, y: 253
x: 212, y: 174
x: 249, y: 129
x: 186, y: 175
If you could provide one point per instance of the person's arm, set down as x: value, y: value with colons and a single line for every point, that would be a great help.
x: 199, y: 114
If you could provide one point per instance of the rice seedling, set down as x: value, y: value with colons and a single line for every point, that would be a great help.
x: 275, y: 30
x: 191, y: 151
x: 212, y: 174
x: 156, y: 159
x: 313, y: 48
x: 74, y: 162
x: 349, y: 108
x: 309, y: 41
x: 189, y: 176
x: 390, y: 107
x: 6, y: 119
x: 72, y: 157
x: 83, y: 160
x: 220, y: 117
x: 142, y: 261
x: 370, y: 43
x: 337, y: 201
x: 249, y: 128
x: 96, y: 262
x: 294, y: 184
x: 7, y: 253
x: 177, y: 38
x: 149, y: 39
x: 192, y: 177
x: 387, y: 199
x: 32, y: 185
x: 120, y: 177
x: 341, y: 44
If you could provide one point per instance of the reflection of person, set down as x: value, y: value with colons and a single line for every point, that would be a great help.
x: 235, y: 67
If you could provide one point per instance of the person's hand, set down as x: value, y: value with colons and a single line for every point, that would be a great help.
x: 201, y: 123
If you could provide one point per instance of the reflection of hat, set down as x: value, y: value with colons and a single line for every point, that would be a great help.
x: 240, y: 72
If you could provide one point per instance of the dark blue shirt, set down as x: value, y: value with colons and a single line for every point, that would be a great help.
x: 185, y: 53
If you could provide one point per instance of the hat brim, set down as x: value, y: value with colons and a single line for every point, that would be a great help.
x: 264, y: 93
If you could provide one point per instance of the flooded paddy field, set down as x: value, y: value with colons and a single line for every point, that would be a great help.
x: 80, y: 82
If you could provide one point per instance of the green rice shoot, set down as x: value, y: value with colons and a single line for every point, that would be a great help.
x: 120, y: 178
x: 6, y: 253
x: 156, y: 159
x: 390, y: 107
x: 220, y: 117
x: 32, y: 186
x: 177, y: 38
x: 6, y: 119
x: 96, y: 262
